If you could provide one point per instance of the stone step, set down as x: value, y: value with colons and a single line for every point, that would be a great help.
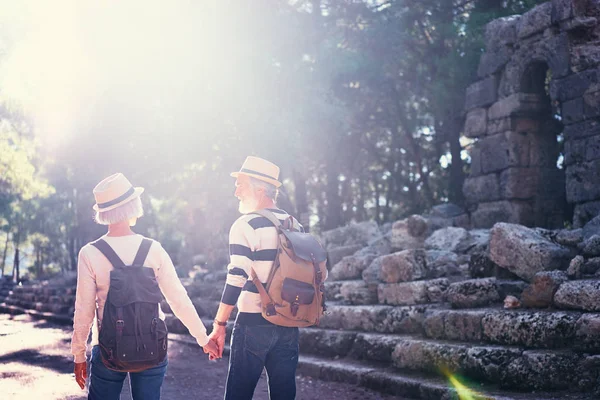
x: 59, y: 318
x: 505, y: 365
x: 532, y: 329
x: 376, y: 318
x: 414, y: 385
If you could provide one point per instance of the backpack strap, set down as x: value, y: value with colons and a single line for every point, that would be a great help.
x: 268, y: 215
x: 109, y: 253
x: 142, y: 253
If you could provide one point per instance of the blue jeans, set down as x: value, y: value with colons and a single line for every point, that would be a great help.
x: 106, y: 384
x: 254, y: 347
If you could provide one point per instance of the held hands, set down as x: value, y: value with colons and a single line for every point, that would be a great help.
x: 217, y: 337
x: 80, y: 373
x: 212, y: 350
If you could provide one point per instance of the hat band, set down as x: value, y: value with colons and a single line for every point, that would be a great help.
x: 249, y: 171
x: 118, y: 199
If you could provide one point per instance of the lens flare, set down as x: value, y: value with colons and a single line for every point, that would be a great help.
x: 462, y: 391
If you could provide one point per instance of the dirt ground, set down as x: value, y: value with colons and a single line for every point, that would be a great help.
x: 35, y: 364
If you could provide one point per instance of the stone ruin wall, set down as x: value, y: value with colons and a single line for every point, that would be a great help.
x: 515, y: 111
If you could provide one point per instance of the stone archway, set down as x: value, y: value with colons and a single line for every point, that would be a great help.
x: 539, y: 77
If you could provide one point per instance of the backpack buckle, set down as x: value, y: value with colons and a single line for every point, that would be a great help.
x: 271, y: 310
x: 120, y: 326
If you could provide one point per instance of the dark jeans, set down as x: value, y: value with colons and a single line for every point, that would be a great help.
x: 254, y: 347
x: 106, y: 384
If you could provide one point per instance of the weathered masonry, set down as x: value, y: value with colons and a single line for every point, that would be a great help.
x: 534, y: 115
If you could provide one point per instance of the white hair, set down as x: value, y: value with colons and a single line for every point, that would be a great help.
x: 270, y: 190
x: 125, y: 212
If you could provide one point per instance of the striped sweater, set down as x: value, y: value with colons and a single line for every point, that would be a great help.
x: 252, y: 244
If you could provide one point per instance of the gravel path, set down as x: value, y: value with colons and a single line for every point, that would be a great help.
x: 35, y: 364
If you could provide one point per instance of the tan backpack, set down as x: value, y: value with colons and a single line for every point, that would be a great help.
x: 294, y: 292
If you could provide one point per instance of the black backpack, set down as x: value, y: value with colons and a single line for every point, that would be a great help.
x: 132, y: 336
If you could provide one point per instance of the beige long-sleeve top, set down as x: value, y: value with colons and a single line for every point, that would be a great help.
x: 93, y: 281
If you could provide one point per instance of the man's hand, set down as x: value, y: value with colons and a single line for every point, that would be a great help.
x: 218, y: 337
x: 81, y: 373
x: 212, y: 350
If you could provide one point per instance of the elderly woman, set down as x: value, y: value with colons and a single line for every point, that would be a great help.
x: 120, y: 278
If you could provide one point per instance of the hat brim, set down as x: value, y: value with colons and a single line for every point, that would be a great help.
x: 259, y: 177
x: 136, y: 193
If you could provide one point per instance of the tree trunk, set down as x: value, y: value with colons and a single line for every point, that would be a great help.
x: 16, y: 269
x: 377, y: 194
x: 333, y: 216
x: 4, y: 252
x: 301, y: 199
x: 360, y: 200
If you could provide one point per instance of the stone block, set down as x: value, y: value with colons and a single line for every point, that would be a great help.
x: 524, y: 252
x: 480, y: 266
x: 584, y: 56
x: 487, y: 214
x: 475, y: 154
x: 353, y: 234
x: 325, y: 342
x: 517, y: 104
x: 375, y: 318
x: 482, y: 93
x: 541, y: 370
x: 581, y: 130
x: 351, y: 267
x: 575, y: 85
x: 573, y: 110
x: 403, y: 266
x: 501, y: 31
x: 482, y: 188
x: 446, y: 239
x: 591, y: 246
x: 410, y: 293
x: 476, y: 123
x: 587, y: 332
x: 336, y: 254
x: 531, y: 329
x: 534, y: 21
x: 585, y: 212
x: 441, y: 263
x: 464, y: 325
x: 374, y: 347
x: 509, y: 287
x: 493, y: 60
x: 542, y: 289
x: 472, y: 293
x: 575, y: 151
x: 403, y: 235
x: 583, y: 182
x: 358, y: 292
x: 579, y: 295
x: 332, y: 290
x: 519, y: 183
x: 433, y: 324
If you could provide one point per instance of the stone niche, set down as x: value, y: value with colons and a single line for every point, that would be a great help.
x: 534, y: 117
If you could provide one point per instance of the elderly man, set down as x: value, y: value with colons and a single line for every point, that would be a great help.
x: 256, y: 344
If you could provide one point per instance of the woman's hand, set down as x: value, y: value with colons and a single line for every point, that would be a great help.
x: 212, y: 350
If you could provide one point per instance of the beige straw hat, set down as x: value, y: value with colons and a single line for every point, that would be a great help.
x: 114, y: 191
x: 260, y: 169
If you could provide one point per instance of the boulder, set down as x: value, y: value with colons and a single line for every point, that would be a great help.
x: 591, y: 246
x: 524, y: 252
x: 542, y: 289
x: 403, y: 266
x: 579, y: 295
x: 404, y: 231
x: 354, y: 234
x: 472, y: 293
x: 591, y: 228
x: 447, y: 239
x: 480, y: 266
x: 575, y: 267
x: 477, y: 241
x: 569, y: 237
x: 441, y: 263
x: 351, y: 267
x: 336, y: 254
